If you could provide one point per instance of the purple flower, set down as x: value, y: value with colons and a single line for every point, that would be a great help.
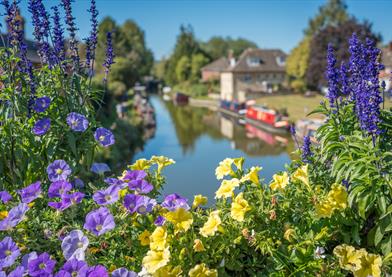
x: 74, y: 268
x: 139, y: 203
x: 115, y: 181
x: 123, y: 272
x: 5, y: 196
x: 58, y: 36
x: 109, y: 60
x: 74, y: 245
x: 9, y: 252
x: 27, y: 258
x: 67, y: 200
x: 130, y: 175
x: 104, y: 137
x: 141, y: 186
x: 92, y: 40
x: 31, y: 192
x: 41, y: 127
x: 15, y: 215
x: 77, y: 122
x: 107, y: 196
x: 41, y: 104
x: 97, y: 271
x: 99, y: 221
x: 100, y: 168
x: 58, y: 170
x: 332, y: 76
x: 174, y: 201
x: 306, y: 152
x: 160, y: 221
x: 17, y: 272
x: 71, y: 27
x: 42, y: 266
x: 78, y: 183
x: 58, y: 188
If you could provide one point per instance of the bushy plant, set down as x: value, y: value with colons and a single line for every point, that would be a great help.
x: 327, y: 214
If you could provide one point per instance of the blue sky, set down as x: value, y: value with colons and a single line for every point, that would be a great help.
x: 269, y: 23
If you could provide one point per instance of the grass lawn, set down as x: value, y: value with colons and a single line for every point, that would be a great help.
x: 297, y: 106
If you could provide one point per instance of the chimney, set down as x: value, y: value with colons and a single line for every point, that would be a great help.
x: 231, y: 58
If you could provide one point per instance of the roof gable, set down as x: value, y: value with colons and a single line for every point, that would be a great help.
x: 218, y: 65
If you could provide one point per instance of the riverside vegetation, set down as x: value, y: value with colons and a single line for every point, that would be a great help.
x: 328, y: 214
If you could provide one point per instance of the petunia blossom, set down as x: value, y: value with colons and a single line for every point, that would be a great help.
x: 104, y: 137
x: 42, y: 266
x: 77, y: 122
x: 139, y: 203
x: 58, y: 188
x: 41, y: 104
x: 107, y: 196
x: 100, y: 168
x: 5, y: 196
x: 41, y: 127
x: 58, y: 170
x: 9, y: 252
x: 123, y: 272
x: 31, y: 192
x: 73, y: 267
x: 99, y: 221
x: 74, y: 245
x: 174, y: 201
x: 97, y: 271
x: 141, y: 186
x: 15, y: 216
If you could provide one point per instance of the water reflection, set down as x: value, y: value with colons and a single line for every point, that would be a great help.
x: 198, y: 139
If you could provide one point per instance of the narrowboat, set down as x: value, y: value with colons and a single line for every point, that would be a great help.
x: 308, y: 127
x: 267, y: 119
x: 180, y: 98
x: 232, y: 108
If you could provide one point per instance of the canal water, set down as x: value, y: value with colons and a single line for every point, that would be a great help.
x: 198, y: 139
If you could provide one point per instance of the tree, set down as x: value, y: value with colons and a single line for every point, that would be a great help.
x: 186, y: 46
x: 297, y: 64
x: 217, y: 47
x: 198, y: 61
x: 339, y: 37
x: 183, y: 69
x: 333, y: 13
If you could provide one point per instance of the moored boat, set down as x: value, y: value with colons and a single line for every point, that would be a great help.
x: 267, y: 119
x: 180, y: 98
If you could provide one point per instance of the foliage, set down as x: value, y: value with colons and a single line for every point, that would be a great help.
x: 218, y: 47
x: 297, y: 64
x: 338, y: 36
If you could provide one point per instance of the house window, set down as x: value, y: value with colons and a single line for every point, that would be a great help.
x: 247, y: 78
x: 281, y: 61
x: 253, y: 61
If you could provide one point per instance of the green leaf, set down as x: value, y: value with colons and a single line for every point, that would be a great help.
x: 72, y: 142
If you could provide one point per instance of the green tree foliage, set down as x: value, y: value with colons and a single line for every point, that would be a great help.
x: 217, y: 46
x: 186, y: 46
x: 198, y: 61
x: 339, y: 37
x: 133, y: 58
x: 333, y: 13
x: 297, y: 64
x: 183, y: 69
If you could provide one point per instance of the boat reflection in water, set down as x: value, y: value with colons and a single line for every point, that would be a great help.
x: 198, y: 139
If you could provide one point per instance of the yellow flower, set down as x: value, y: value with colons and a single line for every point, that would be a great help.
x: 198, y: 246
x: 201, y: 270
x: 168, y: 271
x: 301, y: 174
x: 154, y: 260
x: 280, y: 181
x: 239, y: 162
x: 3, y: 214
x: 31, y: 204
x: 370, y: 266
x: 212, y: 224
x: 338, y: 196
x: 181, y: 218
x: 144, y: 238
x: 122, y: 192
x: 227, y: 187
x: 224, y: 168
x: 158, y: 239
x: 289, y: 234
x: 324, y: 209
x: 239, y: 207
x: 94, y: 250
x: 199, y: 201
x: 112, y: 268
x: 349, y: 258
x: 253, y: 175
x: 141, y: 164
x: 161, y: 161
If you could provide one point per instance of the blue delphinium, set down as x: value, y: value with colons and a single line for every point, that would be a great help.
x: 91, y: 41
x: 333, y: 77
x: 71, y: 27
x: 58, y: 36
x: 109, y: 60
x: 306, y: 151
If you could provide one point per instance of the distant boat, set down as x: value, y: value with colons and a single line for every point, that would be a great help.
x: 180, y: 98
x: 267, y: 119
x: 308, y: 127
